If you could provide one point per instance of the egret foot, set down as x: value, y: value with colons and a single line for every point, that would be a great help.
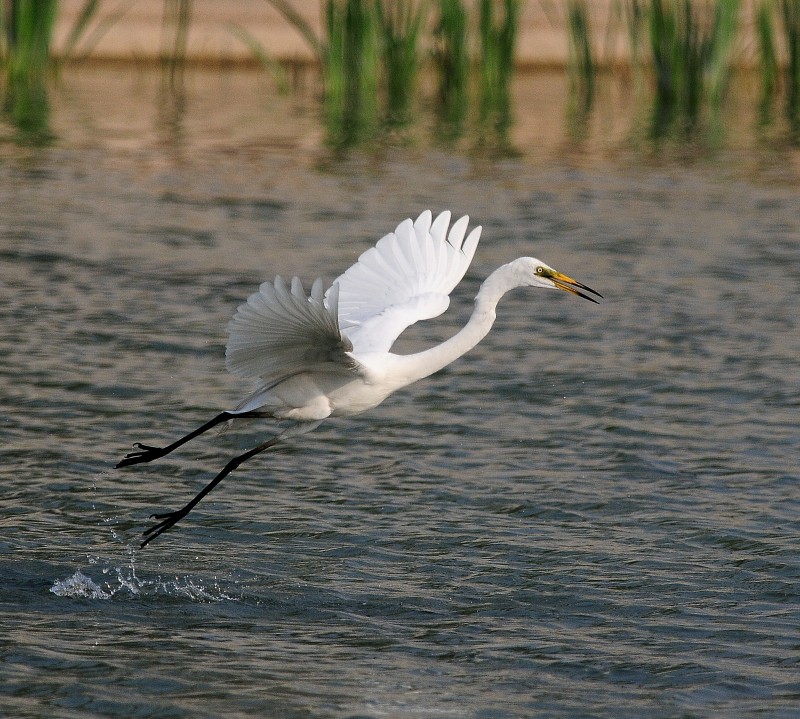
x: 169, y: 520
x: 145, y: 453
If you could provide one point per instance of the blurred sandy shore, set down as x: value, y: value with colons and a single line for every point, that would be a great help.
x: 139, y: 35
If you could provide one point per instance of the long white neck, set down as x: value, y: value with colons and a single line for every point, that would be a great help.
x: 423, y: 364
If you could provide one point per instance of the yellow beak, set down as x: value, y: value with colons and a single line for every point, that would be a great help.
x: 562, y: 282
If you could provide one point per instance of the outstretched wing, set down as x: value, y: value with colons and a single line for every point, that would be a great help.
x: 280, y: 332
x: 408, y: 276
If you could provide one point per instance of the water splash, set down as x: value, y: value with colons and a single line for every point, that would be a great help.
x: 120, y: 580
x: 188, y: 588
x: 79, y: 585
x: 123, y: 581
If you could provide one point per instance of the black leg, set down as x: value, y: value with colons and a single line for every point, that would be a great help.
x: 170, y: 519
x: 147, y: 453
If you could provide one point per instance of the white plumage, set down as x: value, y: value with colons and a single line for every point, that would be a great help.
x: 329, y: 353
x: 407, y: 277
x: 315, y: 356
x: 279, y: 332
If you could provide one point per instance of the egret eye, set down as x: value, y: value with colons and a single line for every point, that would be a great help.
x: 540, y: 270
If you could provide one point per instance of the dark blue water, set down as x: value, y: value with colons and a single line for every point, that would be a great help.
x: 594, y: 513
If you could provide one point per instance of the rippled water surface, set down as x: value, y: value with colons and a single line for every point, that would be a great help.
x: 594, y: 513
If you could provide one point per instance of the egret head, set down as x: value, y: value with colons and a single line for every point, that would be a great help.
x: 536, y: 273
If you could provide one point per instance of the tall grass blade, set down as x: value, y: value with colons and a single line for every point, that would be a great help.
x: 29, y: 26
x: 581, y: 60
x: 81, y: 34
x: 719, y: 49
x: 333, y: 63
x: 790, y: 11
x: 298, y: 22
x: 4, y: 32
x: 78, y: 30
x: 400, y: 25
x: 663, y: 40
x: 768, y: 57
x: 172, y: 102
x: 497, y: 43
x: 175, y: 36
x: 692, y: 46
x: 351, y: 67
x: 262, y: 56
x: 451, y: 60
x: 635, y: 13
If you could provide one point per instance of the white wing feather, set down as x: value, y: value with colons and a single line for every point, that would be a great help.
x: 407, y: 277
x: 279, y: 333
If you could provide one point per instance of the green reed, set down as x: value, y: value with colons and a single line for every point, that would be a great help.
x: 768, y: 57
x: 790, y: 12
x: 296, y: 20
x: 351, y: 70
x: 82, y: 24
x: 497, y: 40
x: 691, y: 46
x: 777, y: 28
x: 261, y: 53
x: 367, y: 46
x: 400, y: 24
x: 88, y: 30
x: 581, y: 60
x: 720, y: 50
x: 451, y: 61
x: 636, y: 18
x: 175, y: 23
x: 28, y: 26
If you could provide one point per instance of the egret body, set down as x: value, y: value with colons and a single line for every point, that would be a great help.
x: 328, y: 353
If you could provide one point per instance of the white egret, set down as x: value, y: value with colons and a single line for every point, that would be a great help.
x: 328, y: 354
